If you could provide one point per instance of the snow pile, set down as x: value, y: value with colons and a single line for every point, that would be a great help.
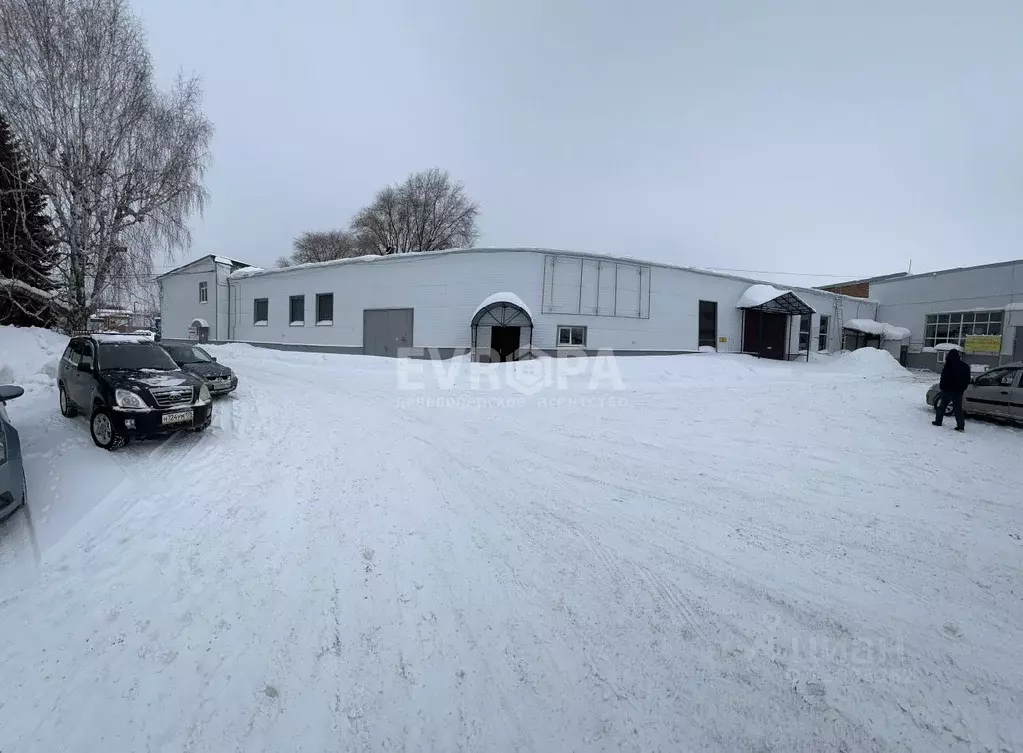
x: 29, y: 355
x: 868, y: 362
x: 882, y: 329
x: 946, y: 347
x: 757, y: 295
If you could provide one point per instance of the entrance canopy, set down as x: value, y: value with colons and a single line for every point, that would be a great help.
x: 769, y: 300
x: 200, y: 323
x: 502, y: 310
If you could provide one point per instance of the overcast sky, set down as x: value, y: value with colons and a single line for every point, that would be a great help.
x: 827, y: 137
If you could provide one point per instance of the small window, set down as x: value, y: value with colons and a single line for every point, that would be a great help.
x: 260, y: 312
x: 75, y: 353
x: 822, y: 333
x: 296, y: 307
x: 87, y: 354
x: 324, y: 308
x: 804, y: 332
x: 203, y: 292
x: 572, y: 336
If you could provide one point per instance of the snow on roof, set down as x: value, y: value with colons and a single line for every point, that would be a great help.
x: 202, y: 322
x: 1018, y: 306
x: 881, y: 329
x: 946, y: 346
x: 117, y: 337
x: 757, y: 295
x: 254, y: 271
x: 511, y: 298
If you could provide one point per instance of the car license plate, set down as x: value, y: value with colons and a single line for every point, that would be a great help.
x: 178, y: 417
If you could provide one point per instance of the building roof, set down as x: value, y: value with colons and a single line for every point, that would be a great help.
x: 217, y: 259
x: 420, y: 255
x: 879, y: 278
x: 900, y: 278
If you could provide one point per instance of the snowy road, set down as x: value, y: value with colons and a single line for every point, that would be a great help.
x: 722, y: 555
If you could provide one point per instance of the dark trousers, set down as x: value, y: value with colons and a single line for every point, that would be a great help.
x: 946, y: 397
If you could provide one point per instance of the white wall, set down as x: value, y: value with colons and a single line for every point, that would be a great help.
x: 444, y: 291
x: 179, y: 301
x: 906, y: 302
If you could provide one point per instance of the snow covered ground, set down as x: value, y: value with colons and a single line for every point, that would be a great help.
x: 686, y: 553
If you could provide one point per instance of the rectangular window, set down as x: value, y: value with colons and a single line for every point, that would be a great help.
x: 296, y: 308
x: 324, y: 308
x: 708, y: 332
x: 203, y: 292
x: 571, y: 336
x: 260, y: 312
x: 956, y: 327
x: 804, y: 332
x: 822, y: 333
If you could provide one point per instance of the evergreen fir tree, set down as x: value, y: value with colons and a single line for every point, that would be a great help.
x: 28, y: 252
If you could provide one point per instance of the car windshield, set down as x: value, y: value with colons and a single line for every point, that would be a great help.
x: 134, y: 355
x: 189, y: 354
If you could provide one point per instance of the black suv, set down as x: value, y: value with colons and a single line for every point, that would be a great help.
x: 130, y: 387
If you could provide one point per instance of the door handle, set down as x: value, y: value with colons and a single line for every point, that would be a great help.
x: 1004, y: 392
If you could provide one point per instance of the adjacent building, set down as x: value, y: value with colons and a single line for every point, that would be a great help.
x: 501, y: 303
x: 977, y: 309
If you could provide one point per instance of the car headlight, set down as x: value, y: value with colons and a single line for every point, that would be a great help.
x: 128, y: 399
x: 204, y: 394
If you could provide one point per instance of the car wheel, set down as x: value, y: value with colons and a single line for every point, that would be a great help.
x: 103, y: 432
x: 204, y: 427
x: 950, y: 409
x: 67, y: 408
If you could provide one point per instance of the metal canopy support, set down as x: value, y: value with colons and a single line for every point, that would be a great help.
x: 500, y: 314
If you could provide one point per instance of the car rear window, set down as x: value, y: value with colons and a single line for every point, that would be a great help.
x: 133, y: 355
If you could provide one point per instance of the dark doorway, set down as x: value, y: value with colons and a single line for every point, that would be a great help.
x: 708, y: 332
x: 765, y: 334
x: 504, y: 341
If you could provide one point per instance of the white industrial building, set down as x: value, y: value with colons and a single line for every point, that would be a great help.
x: 501, y: 302
x: 979, y: 310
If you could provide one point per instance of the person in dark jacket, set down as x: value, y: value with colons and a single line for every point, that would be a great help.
x: 955, y: 378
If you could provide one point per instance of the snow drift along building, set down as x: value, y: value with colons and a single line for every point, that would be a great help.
x: 501, y: 301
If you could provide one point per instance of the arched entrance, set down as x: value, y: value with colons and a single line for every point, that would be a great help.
x: 502, y: 329
x: 200, y: 330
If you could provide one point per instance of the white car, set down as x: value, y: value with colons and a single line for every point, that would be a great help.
x: 997, y: 393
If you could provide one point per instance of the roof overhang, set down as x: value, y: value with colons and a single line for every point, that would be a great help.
x: 769, y: 300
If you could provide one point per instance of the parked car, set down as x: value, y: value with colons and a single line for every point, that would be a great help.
x: 130, y: 388
x: 195, y: 360
x: 13, y: 489
x: 997, y: 393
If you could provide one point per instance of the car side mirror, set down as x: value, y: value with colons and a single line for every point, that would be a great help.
x: 85, y: 368
x: 213, y: 358
x: 10, y: 391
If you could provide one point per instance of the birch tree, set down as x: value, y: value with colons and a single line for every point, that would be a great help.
x: 117, y: 158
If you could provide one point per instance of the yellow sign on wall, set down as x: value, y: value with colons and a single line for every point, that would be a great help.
x: 983, y: 344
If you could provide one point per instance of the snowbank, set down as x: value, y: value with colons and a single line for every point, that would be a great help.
x: 882, y: 329
x: 869, y: 362
x: 29, y: 355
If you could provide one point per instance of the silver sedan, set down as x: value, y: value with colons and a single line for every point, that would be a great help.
x: 997, y: 393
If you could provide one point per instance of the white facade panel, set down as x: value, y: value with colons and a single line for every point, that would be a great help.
x: 180, y: 304
x: 590, y: 287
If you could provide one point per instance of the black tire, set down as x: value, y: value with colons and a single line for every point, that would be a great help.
x: 67, y: 408
x: 204, y: 427
x: 103, y: 432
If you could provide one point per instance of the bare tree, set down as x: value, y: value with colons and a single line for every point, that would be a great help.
x: 121, y: 162
x: 427, y: 212
x: 324, y: 246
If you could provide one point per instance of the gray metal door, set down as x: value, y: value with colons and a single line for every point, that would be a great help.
x: 386, y: 331
x: 1017, y: 347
